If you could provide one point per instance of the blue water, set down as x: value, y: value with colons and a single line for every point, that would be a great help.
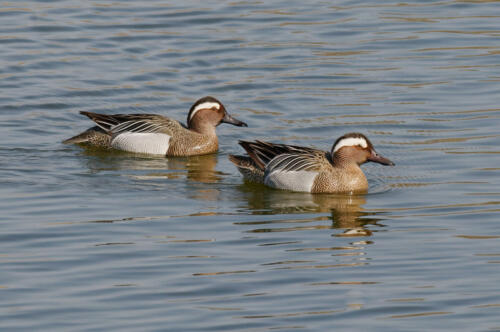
x: 93, y: 240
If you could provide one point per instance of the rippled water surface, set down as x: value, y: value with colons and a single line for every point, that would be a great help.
x: 95, y: 240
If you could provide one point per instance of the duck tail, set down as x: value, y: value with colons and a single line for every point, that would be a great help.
x: 94, y: 136
x: 78, y: 139
x: 248, y: 168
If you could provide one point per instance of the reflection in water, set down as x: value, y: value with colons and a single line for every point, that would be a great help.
x: 199, y: 168
x: 195, y: 168
x: 346, y: 211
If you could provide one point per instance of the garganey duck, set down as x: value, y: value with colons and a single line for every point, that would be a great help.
x: 304, y: 169
x: 159, y: 135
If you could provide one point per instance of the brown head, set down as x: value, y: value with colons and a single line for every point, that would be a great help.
x: 207, y: 113
x: 355, y: 147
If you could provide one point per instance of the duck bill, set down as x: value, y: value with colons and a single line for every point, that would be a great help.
x: 229, y: 119
x: 376, y: 158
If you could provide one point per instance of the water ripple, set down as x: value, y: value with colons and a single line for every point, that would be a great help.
x: 138, y: 243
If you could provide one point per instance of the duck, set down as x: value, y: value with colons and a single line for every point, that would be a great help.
x: 159, y: 135
x: 305, y: 169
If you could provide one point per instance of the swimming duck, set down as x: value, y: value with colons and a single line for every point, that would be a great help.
x: 159, y: 135
x: 304, y: 169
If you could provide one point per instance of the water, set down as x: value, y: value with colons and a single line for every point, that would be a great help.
x: 111, y: 241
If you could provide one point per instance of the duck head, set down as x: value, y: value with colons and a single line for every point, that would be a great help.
x: 356, y: 147
x: 208, y: 112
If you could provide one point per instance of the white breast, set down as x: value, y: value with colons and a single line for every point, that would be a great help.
x: 151, y: 143
x: 291, y: 180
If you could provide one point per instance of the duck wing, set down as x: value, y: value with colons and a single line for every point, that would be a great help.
x: 297, y: 170
x: 139, y: 133
x: 116, y: 124
x: 295, y: 162
x: 262, y: 153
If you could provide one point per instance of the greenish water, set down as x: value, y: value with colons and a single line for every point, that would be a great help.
x: 98, y: 241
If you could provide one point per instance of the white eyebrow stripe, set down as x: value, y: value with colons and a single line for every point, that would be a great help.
x: 351, y: 141
x: 203, y: 106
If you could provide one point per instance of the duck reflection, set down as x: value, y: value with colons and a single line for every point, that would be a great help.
x: 199, y: 168
x: 196, y: 168
x: 347, y: 212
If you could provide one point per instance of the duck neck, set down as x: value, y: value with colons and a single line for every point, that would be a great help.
x: 203, y: 128
x: 339, y: 160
